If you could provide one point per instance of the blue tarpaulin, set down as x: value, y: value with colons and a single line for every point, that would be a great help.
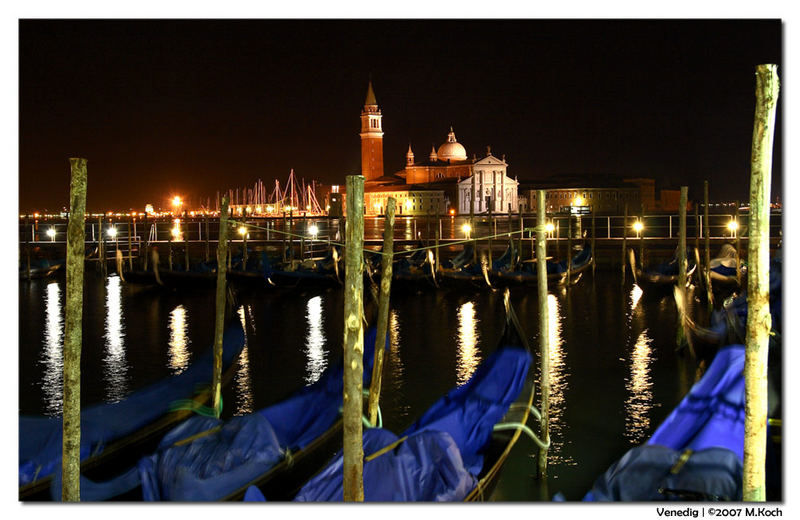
x: 101, y: 424
x: 442, y: 454
x: 208, y: 459
x: 709, y: 421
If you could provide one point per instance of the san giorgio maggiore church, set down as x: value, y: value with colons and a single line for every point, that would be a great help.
x: 441, y: 182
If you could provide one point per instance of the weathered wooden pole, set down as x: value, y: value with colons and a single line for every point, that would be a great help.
x: 641, y: 237
x: 706, y: 232
x: 544, y: 333
x: 521, y: 231
x: 696, y: 228
x: 594, y: 251
x: 383, y: 308
x: 219, y: 318
x: 472, y: 221
x: 283, y: 238
x: 353, y: 449
x: 738, y: 246
x: 624, y: 240
x: 681, y: 340
x: 186, y: 247
x: 73, y: 318
x: 491, y: 231
x: 759, y: 320
x: 130, y: 244
x: 436, y: 251
x: 101, y: 246
x: 146, y: 235
x: 169, y: 244
x: 27, y: 248
x: 208, y: 247
x: 569, y: 248
x: 244, y: 247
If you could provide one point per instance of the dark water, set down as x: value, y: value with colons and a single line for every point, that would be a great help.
x: 614, y: 372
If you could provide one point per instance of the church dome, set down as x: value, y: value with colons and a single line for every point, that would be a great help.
x: 452, y: 150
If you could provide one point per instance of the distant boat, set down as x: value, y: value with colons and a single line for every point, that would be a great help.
x: 327, y: 271
x: 660, y: 276
x: 40, y: 268
x: 527, y: 273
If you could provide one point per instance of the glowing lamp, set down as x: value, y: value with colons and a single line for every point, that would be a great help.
x: 733, y: 225
x: 549, y: 227
x: 112, y: 232
x: 176, y: 231
x: 313, y: 230
x: 51, y: 232
x: 408, y: 204
x: 176, y: 201
x: 452, y: 212
x: 638, y: 226
x: 242, y: 230
x: 466, y: 228
x: 579, y: 201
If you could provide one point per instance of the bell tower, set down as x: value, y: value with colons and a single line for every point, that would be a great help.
x: 371, y: 138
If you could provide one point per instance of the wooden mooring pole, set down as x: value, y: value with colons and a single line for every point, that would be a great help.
x: 641, y: 237
x: 219, y: 318
x: 594, y: 250
x: 624, y: 240
x: 569, y: 248
x: 186, y: 246
x: 759, y: 320
x: 73, y: 337
x: 353, y: 450
x: 208, y: 247
x: 706, y: 232
x: 101, y: 246
x: 383, y: 307
x: 544, y: 333
x: 130, y: 243
x: 681, y: 340
x: 27, y: 249
x: 738, y: 246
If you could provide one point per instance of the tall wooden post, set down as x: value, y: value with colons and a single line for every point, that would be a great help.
x: 759, y: 320
x: 521, y: 231
x: 283, y: 238
x: 130, y: 244
x: 696, y: 229
x: 71, y: 439
x: 641, y: 237
x: 146, y: 235
x: 186, y: 246
x: 244, y: 247
x: 383, y: 308
x: 738, y: 246
x: 544, y: 333
x: 706, y: 232
x: 219, y: 318
x: 491, y: 231
x: 594, y: 250
x: 569, y: 247
x: 682, y: 262
x: 27, y: 248
x: 436, y: 251
x: 624, y: 240
x: 353, y: 342
x: 208, y: 247
x: 101, y: 246
x: 472, y: 221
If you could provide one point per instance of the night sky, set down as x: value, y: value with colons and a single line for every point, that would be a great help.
x: 190, y: 107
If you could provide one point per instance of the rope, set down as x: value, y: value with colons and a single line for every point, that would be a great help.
x: 525, y: 429
x: 196, y: 436
x: 385, y: 449
x: 192, y: 406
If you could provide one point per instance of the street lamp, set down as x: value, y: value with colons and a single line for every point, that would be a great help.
x: 638, y: 227
x: 733, y: 225
x: 112, y: 232
x: 176, y: 202
x: 549, y: 227
x: 243, y: 230
x: 52, y: 234
x: 466, y: 228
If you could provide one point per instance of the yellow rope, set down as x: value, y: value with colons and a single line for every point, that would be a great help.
x: 384, y: 449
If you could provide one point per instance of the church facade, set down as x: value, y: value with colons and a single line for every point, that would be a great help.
x: 443, y: 182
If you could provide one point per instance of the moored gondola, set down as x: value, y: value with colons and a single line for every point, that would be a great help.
x: 660, y: 277
x: 114, y: 434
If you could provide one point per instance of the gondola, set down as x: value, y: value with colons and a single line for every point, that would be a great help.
x: 697, y: 452
x: 414, y: 272
x: 455, y: 450
x: 527, y: 273
x: 325, y: 272
x: 113, y: 434
x: 209, y: 459
x: 255, y: 272
x: 201, y: 275
x: 660, y: 277
x: 472, y: 275
x: 40, y: 268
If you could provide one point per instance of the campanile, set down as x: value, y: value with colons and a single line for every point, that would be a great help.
x: 371, y: 138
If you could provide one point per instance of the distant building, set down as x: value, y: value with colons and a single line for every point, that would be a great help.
x: 606, y: 197
x: 436, y: 184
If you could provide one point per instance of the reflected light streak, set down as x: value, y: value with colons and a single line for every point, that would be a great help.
x: 636, y: 295
x: 178, y: 340
x: 640, y: 388
x: 396, y: 369
x: 558, y: 382
x: 315, y: 341
x: 244, y: 386
x: 115, y: 362
x: 51, y: 357
x: 467, y: 343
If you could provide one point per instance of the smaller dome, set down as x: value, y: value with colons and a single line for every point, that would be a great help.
x: 452, y: 150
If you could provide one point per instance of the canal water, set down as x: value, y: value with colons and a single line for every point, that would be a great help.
x: 614, y: 370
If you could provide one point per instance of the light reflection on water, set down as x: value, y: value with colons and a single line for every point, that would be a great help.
x: 315, y: 341
x: 469, y: 356
x: 115, y: 362
x: 640, y: 388
x: 178, y: 340
x: 636, y: 295
x: 244, y: 387
x: 51, y: 356
x: 558, y: 383
x: 396, y: 369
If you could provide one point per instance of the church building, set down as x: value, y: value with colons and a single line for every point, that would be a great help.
x: 440, y: 183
